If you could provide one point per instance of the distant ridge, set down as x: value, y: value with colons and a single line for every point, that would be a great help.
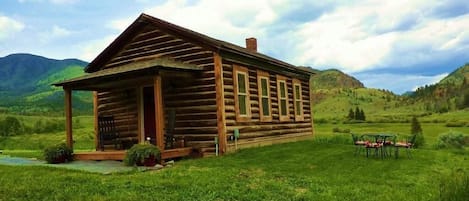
x: 26, y: 78
x: 334, y: 79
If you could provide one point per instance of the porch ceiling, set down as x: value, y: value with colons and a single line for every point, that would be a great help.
x: 134, y: 70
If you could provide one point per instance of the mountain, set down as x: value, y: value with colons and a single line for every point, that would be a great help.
x: 26, y: 83
x: 332, y: 79
x: 20, y: 72
x: 335, y: 93
x: 451, y: 93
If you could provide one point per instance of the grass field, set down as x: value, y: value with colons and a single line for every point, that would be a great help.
x: 320, y: 169
x: 296, y: 171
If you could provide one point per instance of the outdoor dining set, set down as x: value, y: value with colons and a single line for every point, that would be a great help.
x: 382, y: 144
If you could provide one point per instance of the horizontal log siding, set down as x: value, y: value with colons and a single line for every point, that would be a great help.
x: 195, y: 106
x: 151, y: 43
x: 193, y: 99
x: 122, y: 104
x: 254, y: 130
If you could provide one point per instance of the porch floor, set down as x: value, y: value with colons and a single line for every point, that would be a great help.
x: 120, y: 154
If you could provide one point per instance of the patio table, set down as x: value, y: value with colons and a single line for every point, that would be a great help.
x: 380, y: 139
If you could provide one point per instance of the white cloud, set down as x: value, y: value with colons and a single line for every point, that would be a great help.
x: 50, y: 1
x: 232, y: 21
x: 56, y: 32
x: 398, y: 83
x: 64, y: 1
x: 376, y: 34
x: 91, y: 49
x: 8, y: 27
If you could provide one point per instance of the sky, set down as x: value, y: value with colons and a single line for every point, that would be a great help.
x: 396, y: 45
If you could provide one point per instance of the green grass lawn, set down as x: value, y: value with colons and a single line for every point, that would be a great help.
x: 323, y: 169
x: 305, y: 170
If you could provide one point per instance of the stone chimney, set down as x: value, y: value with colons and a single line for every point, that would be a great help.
x: 251, y: 44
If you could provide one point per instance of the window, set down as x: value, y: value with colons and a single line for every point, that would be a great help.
x: 298, y: 100
x: 263, y: 85
x: 241, y: 93
x: 282, y: 93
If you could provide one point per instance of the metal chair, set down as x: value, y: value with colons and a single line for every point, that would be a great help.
x: 169, y: 130
x: 358, y: 142
x: 407, y: 144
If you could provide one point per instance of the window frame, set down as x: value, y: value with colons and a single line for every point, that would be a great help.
x: 260, y: 76
x: 282, y: 79
x: 298, y: 117
x: 244, y: 71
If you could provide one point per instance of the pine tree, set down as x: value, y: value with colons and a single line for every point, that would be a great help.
x: 357, y: 113
x: 416, y: 129
x: 351, y: 114
x: 362, y: 115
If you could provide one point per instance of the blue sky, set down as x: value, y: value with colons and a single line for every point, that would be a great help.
x: 396, y: 45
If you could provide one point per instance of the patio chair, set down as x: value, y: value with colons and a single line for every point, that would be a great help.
x: 373, y: 144
x: 388, y: 143
x: 358, y: 142
x: 169, y: 130
x: 407, y: 144
x: 107, y: 131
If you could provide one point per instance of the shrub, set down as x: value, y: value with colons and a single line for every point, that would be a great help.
x: 455, y: 124
x: 338, y: 130
x: 452, y: 139
x: 137, y: 154
x: 416, y: 129
x: 59, y: 153
x: 454, y: 186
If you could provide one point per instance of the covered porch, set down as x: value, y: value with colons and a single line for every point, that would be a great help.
x: 133, y: 95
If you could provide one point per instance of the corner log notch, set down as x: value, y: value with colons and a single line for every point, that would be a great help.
x: 221, y: 123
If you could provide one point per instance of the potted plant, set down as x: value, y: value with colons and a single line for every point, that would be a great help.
x: 59, y: 153
x: 143, y: 155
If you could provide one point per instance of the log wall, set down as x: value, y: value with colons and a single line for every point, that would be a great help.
x: 254, y: 131
x: 192, y: 98
x: 122, y: 104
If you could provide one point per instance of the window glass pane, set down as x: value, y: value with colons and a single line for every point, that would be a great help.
x: 241, y: 83
x: 298, y: 108
x: 297, y: 91
x: 242, y: 104
x: 283, y: 105
x: 265, y: 107
x: 264, y: 86
x: 282, y: 89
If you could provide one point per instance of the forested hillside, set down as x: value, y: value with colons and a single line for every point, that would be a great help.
x: 26, y: 79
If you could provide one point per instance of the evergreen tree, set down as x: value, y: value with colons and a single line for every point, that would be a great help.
x: 465, y: 102
x: 416, y: 129
x: 357, y: 113
x: 351, y: 114
x: 362, y: 115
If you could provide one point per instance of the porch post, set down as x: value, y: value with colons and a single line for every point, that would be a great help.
x: 220, y: 100
x: 95, y: 112
x: 159, y: 112
x: 68, y: 116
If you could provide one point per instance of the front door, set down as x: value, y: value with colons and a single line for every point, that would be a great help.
x: 149, y: 113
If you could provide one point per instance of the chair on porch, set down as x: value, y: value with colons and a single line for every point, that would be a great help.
x: 107, y: 131
x: 169, y: 130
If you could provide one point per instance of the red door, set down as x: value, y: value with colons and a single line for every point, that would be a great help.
x: 149, y: 113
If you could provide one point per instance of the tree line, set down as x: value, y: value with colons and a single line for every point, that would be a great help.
x: 358, y: 114
x: 11, y: 126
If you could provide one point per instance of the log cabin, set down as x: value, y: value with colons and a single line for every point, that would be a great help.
x: 216, y: 96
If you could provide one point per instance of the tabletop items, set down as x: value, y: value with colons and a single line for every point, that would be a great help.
x: 381, y: 144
